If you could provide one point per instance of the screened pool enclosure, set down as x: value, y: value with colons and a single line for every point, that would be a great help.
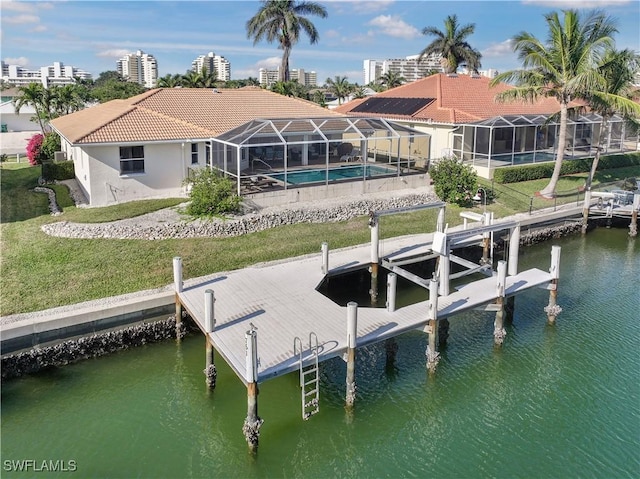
x: 295, y: 152
x: 517, y: 139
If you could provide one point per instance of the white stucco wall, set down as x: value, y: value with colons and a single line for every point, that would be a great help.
x: 97, y: 170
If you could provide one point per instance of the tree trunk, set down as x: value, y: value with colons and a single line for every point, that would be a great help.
x: 549, y: 191
x: 594, y: 166
x: 284, y: 66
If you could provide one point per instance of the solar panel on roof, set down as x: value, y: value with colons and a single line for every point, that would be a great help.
x: 392, y: 106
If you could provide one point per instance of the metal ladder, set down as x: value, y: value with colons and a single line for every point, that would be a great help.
x: 309, y: 376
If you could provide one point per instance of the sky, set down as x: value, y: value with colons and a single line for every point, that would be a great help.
x: 93, y: 35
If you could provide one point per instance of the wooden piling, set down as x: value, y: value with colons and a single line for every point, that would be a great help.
x: 552, y: 309
x: 440, y: 221
x: 210, y: 371
x: 486, y: 239
x: 392, y: 282
x: 585, y: 210
x: 253, y: 422
x: 433, y: 356
x: 178, y: 284
x: 352, y: 332
x: 375, y: 259
x: 514, y: 250
x: 633, y: 226
x: 325, y: 257
x: 499, y: 332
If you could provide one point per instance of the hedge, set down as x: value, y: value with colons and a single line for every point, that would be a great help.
x: 515, y: 174
x: 61, y: 170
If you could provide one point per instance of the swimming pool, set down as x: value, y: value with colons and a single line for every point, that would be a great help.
x: 335, y: 174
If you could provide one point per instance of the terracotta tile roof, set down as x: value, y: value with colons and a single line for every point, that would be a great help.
x: 166, y: 114
x: 458, y: 99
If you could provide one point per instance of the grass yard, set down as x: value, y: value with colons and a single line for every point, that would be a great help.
x: 40, y: 272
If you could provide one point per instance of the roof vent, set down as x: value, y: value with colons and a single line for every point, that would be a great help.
x: 475, y: 75
x: 215, y: 90
x: 452, y: 75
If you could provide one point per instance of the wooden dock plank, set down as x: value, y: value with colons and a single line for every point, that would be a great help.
x: 281, y: 301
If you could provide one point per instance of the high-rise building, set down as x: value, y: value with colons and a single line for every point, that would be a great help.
x: 408, y: 67
x: 56, y: 74
x: 140, y: 68
x: 269, y: 77
x: 211, y: 61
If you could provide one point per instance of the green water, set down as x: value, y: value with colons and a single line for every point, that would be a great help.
x: 557, y: 401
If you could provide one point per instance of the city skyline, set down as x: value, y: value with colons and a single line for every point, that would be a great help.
x: 35, y: 34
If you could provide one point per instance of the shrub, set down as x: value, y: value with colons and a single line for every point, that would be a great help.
x: 62, y: 170
x: 50, y: 144
x: 211, y: 194
x: 34, y: 148
x: 515, y: 174
x: 454, y: 181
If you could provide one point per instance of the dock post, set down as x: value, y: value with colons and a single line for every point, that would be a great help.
x: 375, y: 245
x: 392, y: 282
x: 210, y: 371
x: 514, y: 250
x: 552, y: 309
x: 252, y: 423
x: 485, y: 239
x: 433, y: 356
x: 499, y: 332
x: 585, y: 210
x: 178, y: 284
x: 440, y: 221
x: 352, y: 332
x: 325, y: 258
x: 444, y: 272
x: 633, y: 227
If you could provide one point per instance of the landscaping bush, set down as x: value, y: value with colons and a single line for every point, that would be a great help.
x: 515, y: 174
x: 62, y: 170
x: 454, y: 181
x: 34, y: 148
x: 50, y: 144
x: 211, y: 194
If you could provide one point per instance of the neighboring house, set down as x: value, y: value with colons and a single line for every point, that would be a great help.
x: 12, y: 121
x: 463, y: 118
x: 144, y: 146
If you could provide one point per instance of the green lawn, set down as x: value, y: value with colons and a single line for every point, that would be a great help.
x: 40, y: 272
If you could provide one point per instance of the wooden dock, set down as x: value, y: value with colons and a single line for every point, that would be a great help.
x: 281, y: 301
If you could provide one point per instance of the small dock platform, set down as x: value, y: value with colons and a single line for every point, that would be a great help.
x: 281, y: 302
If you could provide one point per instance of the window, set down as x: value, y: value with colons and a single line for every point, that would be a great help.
x: 194, y: 153
x: 131, y: 159
x: 207, y: 154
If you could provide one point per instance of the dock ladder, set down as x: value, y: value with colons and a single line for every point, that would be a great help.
x: 309, y: 376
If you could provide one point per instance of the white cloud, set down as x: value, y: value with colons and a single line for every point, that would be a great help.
x: 351, y: 7
x: 498, y: 49
x: 113, y: 53
x: 20, y: 61
x: 21, y: 19
x: 577, y: 3
x: 394, y: 26
x: 18, y: 6
x: 270, y: 63
x: 38, y: 29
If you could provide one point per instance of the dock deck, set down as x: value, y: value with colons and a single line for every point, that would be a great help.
x: 281, y: 301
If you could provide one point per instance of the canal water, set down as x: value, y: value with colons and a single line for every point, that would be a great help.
x: 554, y: 401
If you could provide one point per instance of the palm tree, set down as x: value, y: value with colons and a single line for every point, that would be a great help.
x: 391, y: 80
x: 340, y: 87
x: 565, y: 68
x: 359, y: 91
x: 33, y: 95
x: 66, y: 99
x: 452, y: 45
x: 170, y: 81
x: 282, y: 20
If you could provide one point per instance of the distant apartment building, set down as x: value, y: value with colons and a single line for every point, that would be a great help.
x: 139, y: 67
x: 210, y: 62
x: 408, y: 67
x: 269, y: 77
x: 56, y: 74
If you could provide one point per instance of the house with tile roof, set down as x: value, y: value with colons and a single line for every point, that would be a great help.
x: 148, y: 145
x: 463, y: 118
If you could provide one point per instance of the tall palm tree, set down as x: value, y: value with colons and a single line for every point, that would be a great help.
x: 564, y: 68
x: 618, y: 69
x: 33, y: 95
x: 391, y: 80
x: 282, y: 21
x: 340, y: 87
x: 452, y: 45
x: 66, y: 99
